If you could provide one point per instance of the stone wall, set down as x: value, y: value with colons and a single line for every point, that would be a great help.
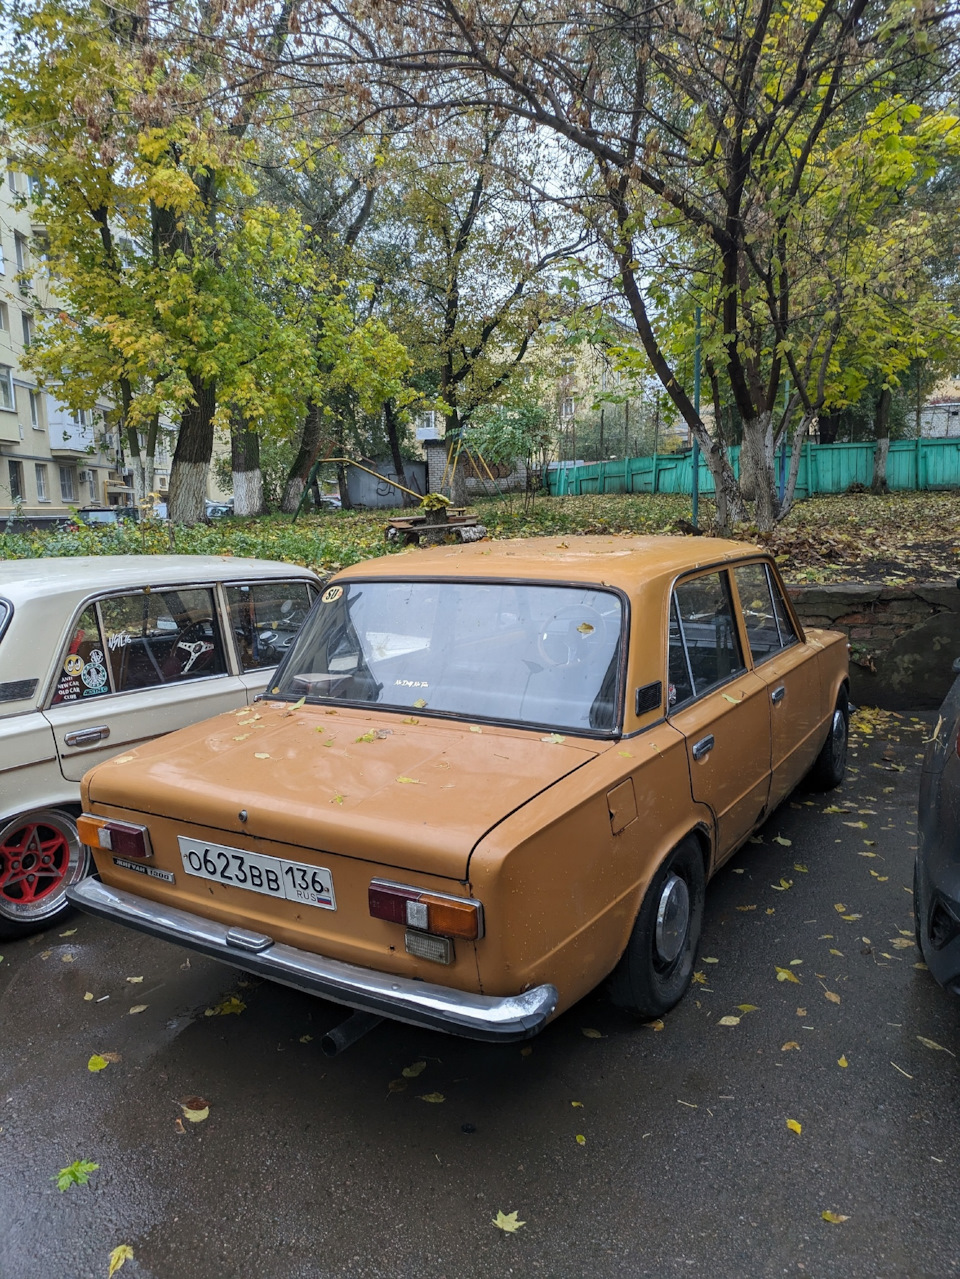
x: 903, y: 639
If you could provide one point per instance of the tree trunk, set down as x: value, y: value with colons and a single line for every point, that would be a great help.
x: 306, y: 455
x: 191, y: 459
x: 392, y: 423
x: 758, y: 481
x: 245, y: 466
x: 796, y: 453
x: 881, y: 430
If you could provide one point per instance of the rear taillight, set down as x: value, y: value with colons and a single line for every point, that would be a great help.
x: 427, y: 912
x: 123, y: 838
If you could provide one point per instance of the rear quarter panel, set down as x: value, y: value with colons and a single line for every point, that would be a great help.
x: 560, y: 890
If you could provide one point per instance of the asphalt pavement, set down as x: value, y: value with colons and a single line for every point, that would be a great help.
x: 812, y: 1068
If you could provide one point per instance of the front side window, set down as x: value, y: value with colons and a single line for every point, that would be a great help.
x: 768, y: 625
x: 83, y: 671
x: 161, y: 637
x: 265, y: 618
x: 524, y: 653
x: 708, y: 632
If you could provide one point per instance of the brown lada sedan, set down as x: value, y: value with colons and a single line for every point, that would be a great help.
x: 486, y: 778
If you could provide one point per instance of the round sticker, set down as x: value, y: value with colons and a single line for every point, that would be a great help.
x: 94, y: 676
x: 331, y: 594
x: 95, y: 658
x: 73, y: 664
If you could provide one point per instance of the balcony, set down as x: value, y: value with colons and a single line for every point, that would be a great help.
x: 69, y: 438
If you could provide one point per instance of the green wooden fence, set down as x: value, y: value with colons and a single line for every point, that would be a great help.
x: 824, y: 468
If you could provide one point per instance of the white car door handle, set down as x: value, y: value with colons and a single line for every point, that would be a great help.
x: 778, y: 695
x: 703, y: 747
x: 87, y: 736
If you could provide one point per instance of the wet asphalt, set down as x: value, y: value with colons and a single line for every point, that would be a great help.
x: 308, y: 1167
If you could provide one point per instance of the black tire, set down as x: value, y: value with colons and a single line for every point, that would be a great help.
x: 40, y: 857
x: 917, y: 930
x: 831, y: 764
x: 654, y: 971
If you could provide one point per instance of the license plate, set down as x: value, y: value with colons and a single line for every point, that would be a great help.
x: 272, y: 876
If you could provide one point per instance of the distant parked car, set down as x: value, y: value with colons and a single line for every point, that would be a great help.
x: 484, y: 779
x: 215, y: 510
x: 936, y: 881
x: 107, y: 514
x: 101, y: 653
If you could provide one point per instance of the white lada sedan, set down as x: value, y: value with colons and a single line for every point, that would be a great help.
x: 101, y: 653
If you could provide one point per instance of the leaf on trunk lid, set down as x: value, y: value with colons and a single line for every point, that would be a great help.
x: 554, y: 739
x: 409, y: 781
x: 434, y: 1097
x: 337, y: 799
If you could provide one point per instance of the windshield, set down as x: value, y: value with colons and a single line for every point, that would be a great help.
x: 524, y: 653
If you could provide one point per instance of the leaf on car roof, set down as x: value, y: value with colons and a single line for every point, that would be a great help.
x: 409, y: 781
x: 295, y: 707
x: 242, y: 737
x: 475, y: 728
x: 411, y: 719
x: 554, y: 739
x: 367, y: 737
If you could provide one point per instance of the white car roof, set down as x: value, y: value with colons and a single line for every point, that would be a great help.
x: 77, y: 576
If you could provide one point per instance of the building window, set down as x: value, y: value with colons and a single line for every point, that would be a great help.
x: 566, y: 408
x: 33, y: 184
x: 40, y: 470
x: 15, y: 470
x: 3, y: 265
x: 93, y: 486
x: 4, y: 317
x: 27, y: 322
x: 36, y: 416
x: 21, y: 250
x: 78, y: 417
x: 68, y: 486
x: 6, y: 389
x: 11, y: 178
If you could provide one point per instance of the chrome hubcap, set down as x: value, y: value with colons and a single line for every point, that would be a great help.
x: 673, y: 919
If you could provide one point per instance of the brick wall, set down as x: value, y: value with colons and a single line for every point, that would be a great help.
x: 904, y: 639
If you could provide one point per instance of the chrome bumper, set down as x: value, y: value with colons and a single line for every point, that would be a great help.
x: 420, y: 1003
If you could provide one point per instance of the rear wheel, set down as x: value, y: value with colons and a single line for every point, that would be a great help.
x: 655, y: 969
x: 831, y: 764
x: 40, y: 857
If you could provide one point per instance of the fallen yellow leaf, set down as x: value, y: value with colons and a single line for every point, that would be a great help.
x: 123, y: 1252
x: 784, y: 974
x: 929, y: 1043
x: 261, y: 755
x: 409, y: 781
x: 842, y: 1061
x: 590, y: 1033
x: 97, y: 1062
x: 794, y: 1126
x: 417, y: 1068
x: 654, y: 1025
x: 507, y: 1221
x: 729, y: 1021
x: 434, y: 1097
x: 581, y: 1140
x: 834, y: 1217
x: 790, y: 1046
x: 138, y: 1008
x: 832, y: 996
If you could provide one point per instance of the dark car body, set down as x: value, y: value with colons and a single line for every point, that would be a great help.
x: 937, y: 877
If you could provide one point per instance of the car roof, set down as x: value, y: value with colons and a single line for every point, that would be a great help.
x: 617, y: 560
x: 79, y: 575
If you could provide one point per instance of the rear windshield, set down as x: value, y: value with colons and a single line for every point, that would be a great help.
x: 523, y: 653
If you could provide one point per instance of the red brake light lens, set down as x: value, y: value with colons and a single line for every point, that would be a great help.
x: 427, y: 912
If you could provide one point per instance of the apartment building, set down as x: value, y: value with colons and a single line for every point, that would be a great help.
x: 51, y: 458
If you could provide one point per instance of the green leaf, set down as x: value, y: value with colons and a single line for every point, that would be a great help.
x: 75, y: 1174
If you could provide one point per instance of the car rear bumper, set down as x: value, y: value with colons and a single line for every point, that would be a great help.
x: 496, y: 1020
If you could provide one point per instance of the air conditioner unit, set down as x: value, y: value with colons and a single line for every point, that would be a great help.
x: 83, y: 477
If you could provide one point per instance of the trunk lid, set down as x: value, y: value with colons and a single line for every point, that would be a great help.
x: 412, y: 793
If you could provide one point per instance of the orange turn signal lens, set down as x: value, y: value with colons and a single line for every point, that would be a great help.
x: 452, y: 918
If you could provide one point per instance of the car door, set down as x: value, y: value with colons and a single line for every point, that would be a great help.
x: 789, y: 667
x: 139, y: 664
x: 265, y: 618
x: 720, y: 707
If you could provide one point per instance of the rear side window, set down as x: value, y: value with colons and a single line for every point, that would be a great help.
x: 768, y: 624
x: 707, y: 633
x: 161, y: 637
x: 83, y: 673
x: 265, y: 617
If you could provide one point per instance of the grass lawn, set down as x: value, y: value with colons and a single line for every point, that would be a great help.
x: 851, y: 537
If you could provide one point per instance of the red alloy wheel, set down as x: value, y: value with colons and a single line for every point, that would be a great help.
x: 40, y: 856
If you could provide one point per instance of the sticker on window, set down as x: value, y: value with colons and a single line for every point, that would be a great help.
x: 73, y: 664
x: 331, y: 594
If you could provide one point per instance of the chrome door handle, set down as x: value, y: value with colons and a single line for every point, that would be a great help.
x: 87, y: 736
x: 778, y: 695
x: 703, y: 747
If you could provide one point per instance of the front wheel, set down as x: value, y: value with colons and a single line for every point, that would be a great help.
x: 655, y: 970
x: 40, y: 857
